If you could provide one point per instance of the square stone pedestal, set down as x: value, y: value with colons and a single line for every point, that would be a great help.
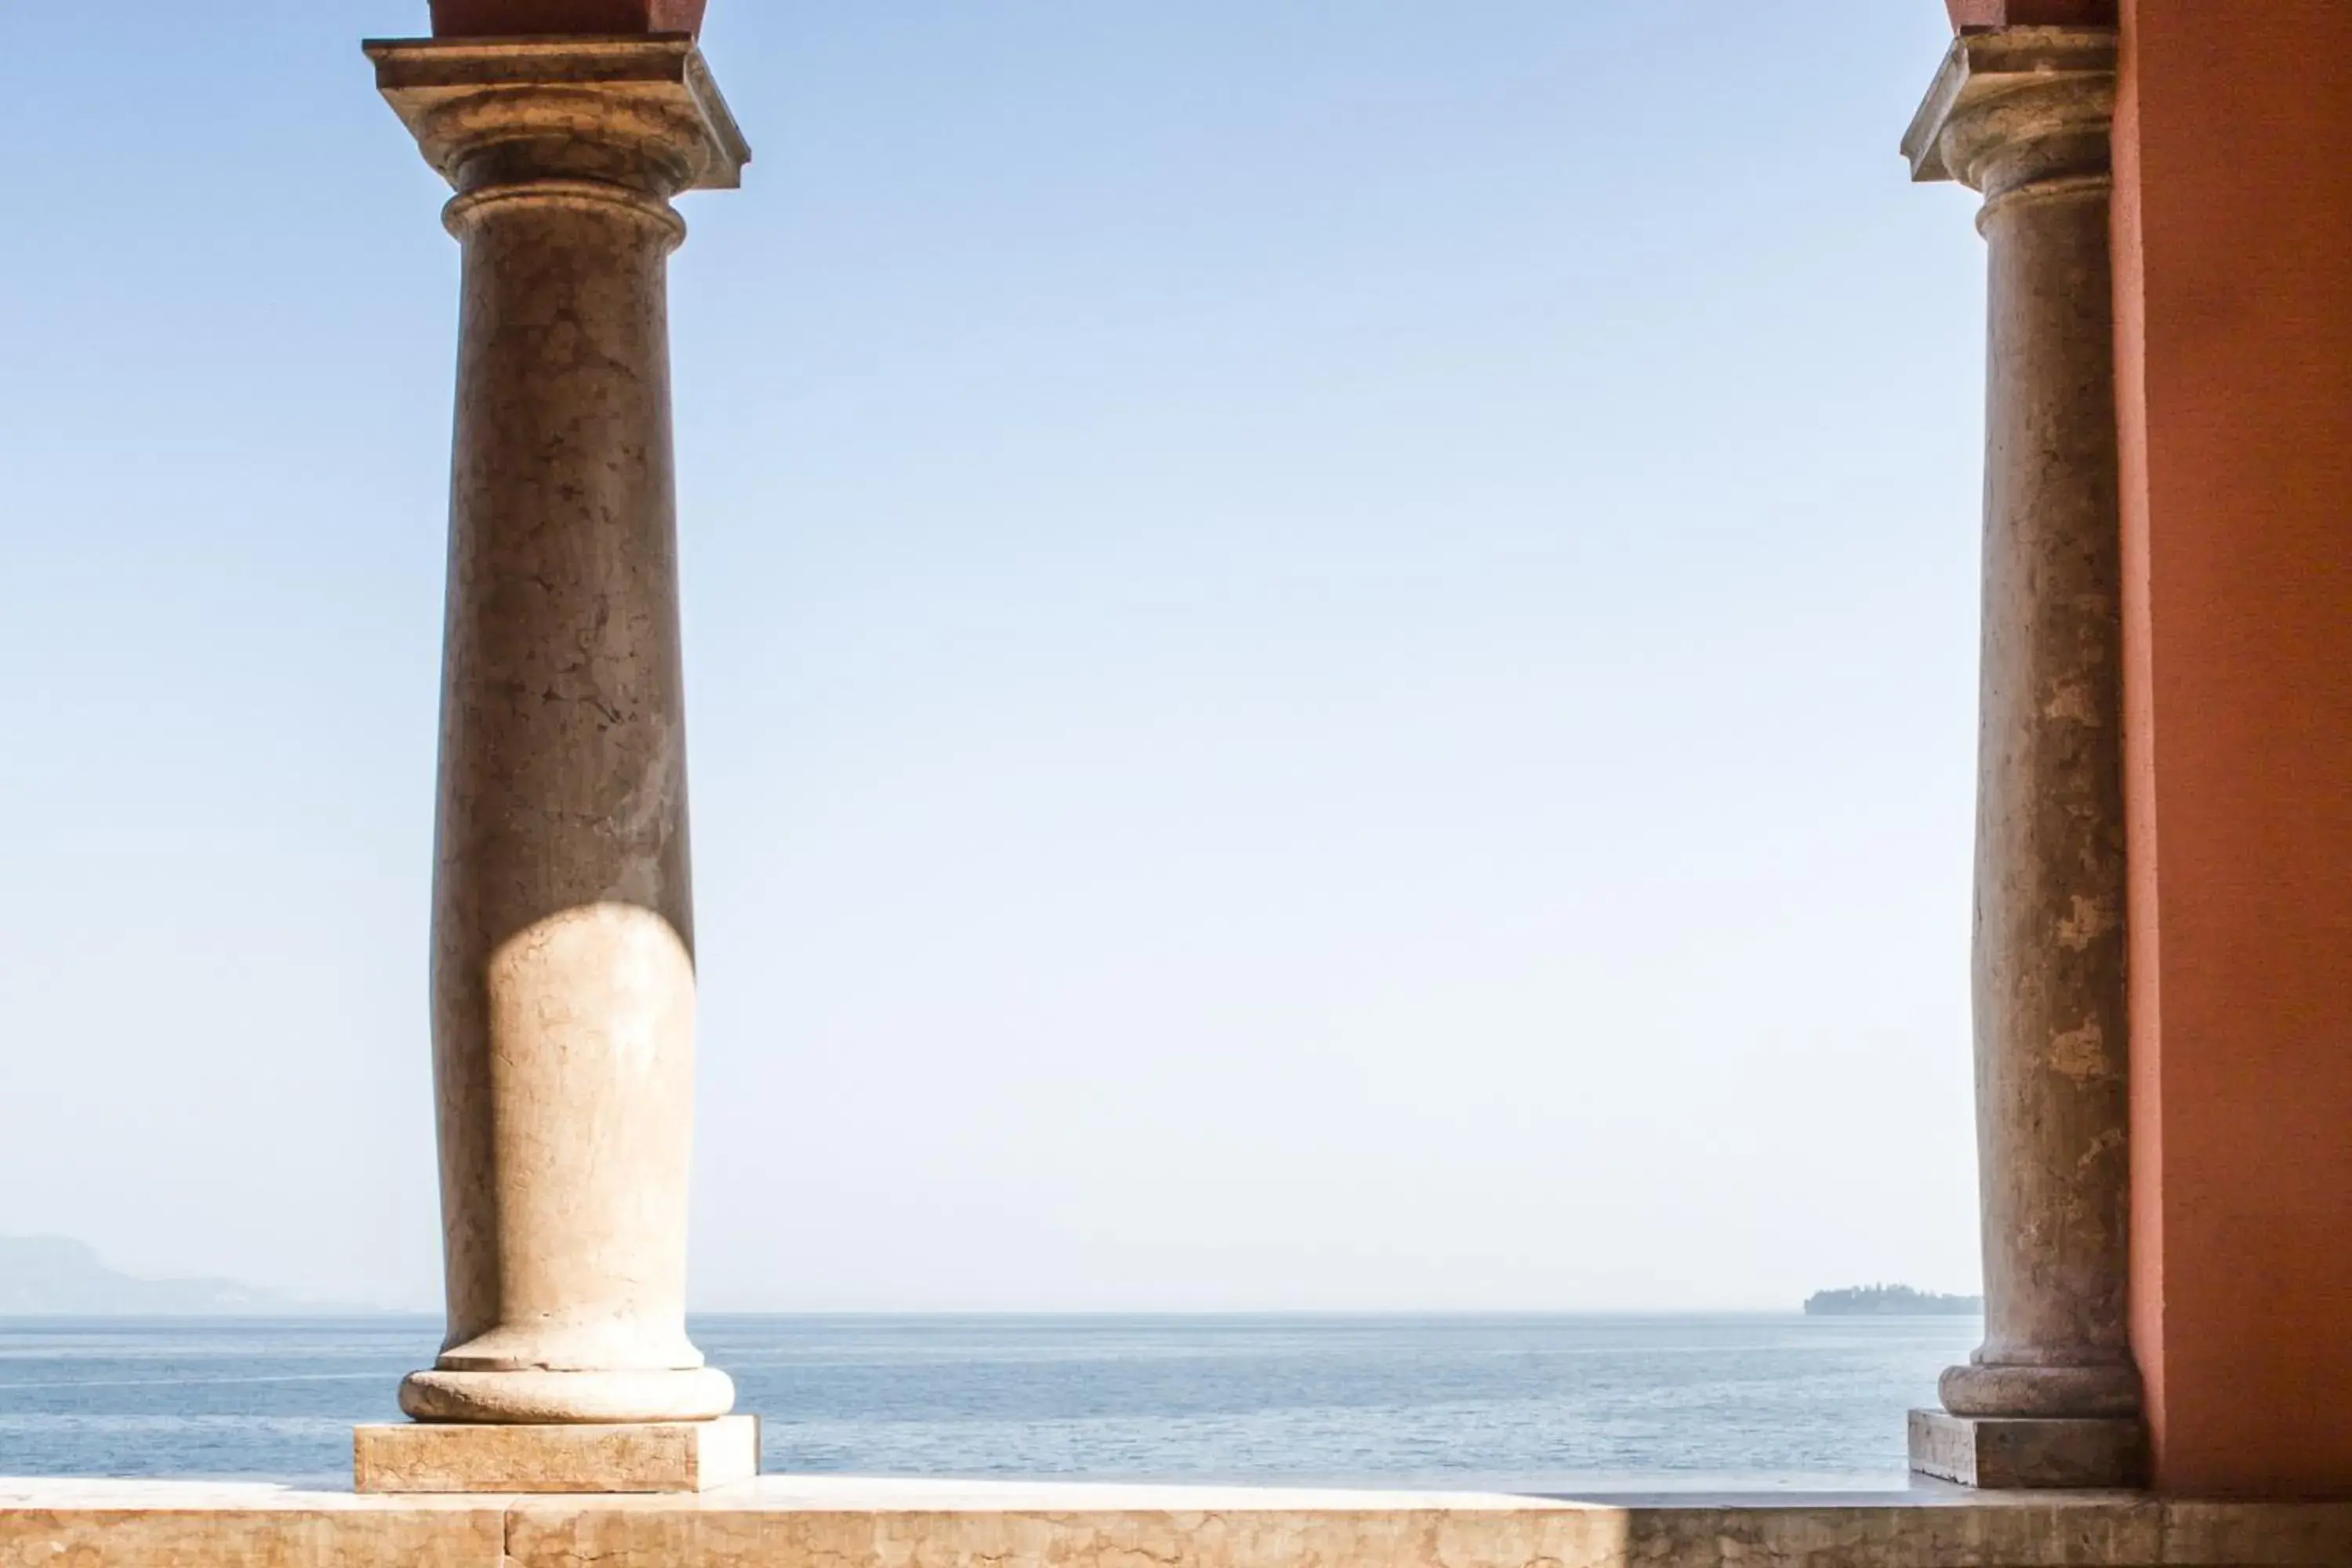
x: 649, y: 1457
x: 2018, y: 1454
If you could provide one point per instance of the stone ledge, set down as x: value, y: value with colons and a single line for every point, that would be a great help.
x: 789, y: 1521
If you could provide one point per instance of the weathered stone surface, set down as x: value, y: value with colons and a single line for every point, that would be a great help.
x: 652, y: 1457
x: 2010, y: 1451
x: 2026, y: 117
x: 641, y: 113
x: 563, y: 978
x: 788, y: 1522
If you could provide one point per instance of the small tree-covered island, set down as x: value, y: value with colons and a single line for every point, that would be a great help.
x: 1889, y: 1301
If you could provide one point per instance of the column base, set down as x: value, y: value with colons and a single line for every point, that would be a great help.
x: 536, y: 1397
x: 2029, y: 1453
x: 639, y: 1457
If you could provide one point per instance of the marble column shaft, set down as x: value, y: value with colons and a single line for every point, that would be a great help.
x: 2024, y: 116
x: 562, y: 932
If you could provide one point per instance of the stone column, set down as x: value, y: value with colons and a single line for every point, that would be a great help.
x: 2052, y: 1398
x: 563, y: 926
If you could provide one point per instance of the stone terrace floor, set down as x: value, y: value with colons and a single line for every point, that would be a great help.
x: 834, y: 1522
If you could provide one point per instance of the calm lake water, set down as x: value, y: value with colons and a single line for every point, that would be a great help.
x: 1518, y: 1402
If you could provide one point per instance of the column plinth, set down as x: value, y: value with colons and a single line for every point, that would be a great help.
x: 2024, y: 116
x: 563, y: 927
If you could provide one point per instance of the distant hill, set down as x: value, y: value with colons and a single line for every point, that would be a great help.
x: 1889, y: 1301
x: 51, y: 1277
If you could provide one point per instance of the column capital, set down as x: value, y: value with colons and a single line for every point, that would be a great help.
x: 639, y: 112
x: 2019, y: 110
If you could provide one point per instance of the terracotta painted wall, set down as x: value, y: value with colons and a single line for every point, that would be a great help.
x: 2235, y: 303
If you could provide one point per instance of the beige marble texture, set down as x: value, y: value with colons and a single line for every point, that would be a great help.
x: 2024, y: 115
x: 834, y: 1522
x: 183, y: 1524
x: 643, y: 1457
x: 563, y: 973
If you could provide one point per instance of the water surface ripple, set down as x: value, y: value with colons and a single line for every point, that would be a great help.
x: 1520, y: 1402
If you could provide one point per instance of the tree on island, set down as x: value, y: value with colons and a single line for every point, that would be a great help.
x: 1888, y: 1301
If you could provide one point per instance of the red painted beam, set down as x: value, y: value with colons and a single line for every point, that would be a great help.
x: 1974, y: 14
x: 512, y: 18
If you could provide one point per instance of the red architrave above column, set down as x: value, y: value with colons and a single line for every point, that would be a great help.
x: 1971, y: 14
x: 517, y: 18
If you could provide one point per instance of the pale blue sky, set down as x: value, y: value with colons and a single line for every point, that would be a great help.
x: 1330, y: 653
